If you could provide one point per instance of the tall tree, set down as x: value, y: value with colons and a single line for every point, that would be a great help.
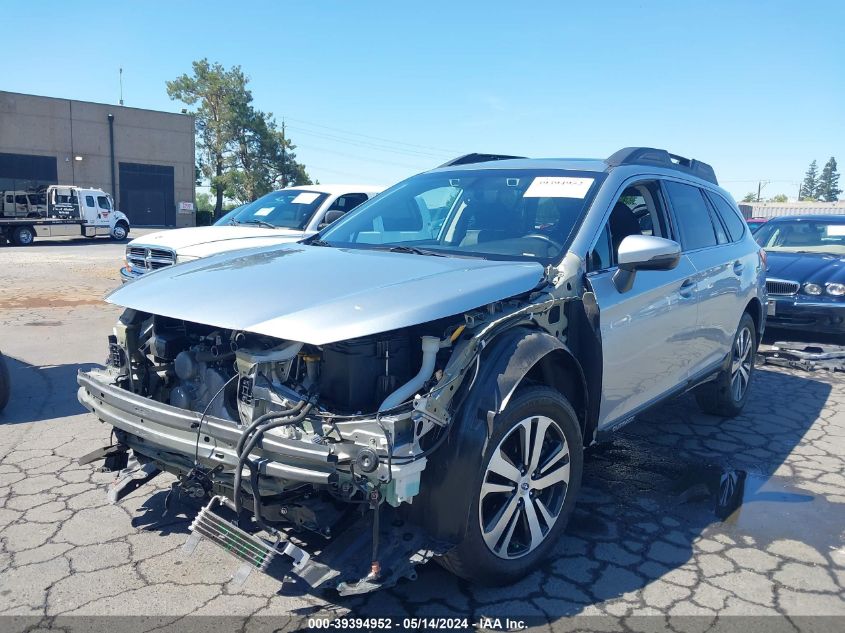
x: 810, y: 184
x: 217, y: 92
x: 827, y: 188
x: 262, y: 159
x: 241, y: 152
x: 750, y: 197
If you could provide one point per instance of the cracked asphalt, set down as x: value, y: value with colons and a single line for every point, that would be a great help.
x: 645, y: 539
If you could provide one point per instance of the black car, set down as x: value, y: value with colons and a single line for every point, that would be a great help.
x: 805, y: 278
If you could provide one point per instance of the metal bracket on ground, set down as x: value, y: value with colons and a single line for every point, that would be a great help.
x: 806, y: 356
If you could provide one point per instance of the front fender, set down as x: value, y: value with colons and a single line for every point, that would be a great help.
x: 451, y: 476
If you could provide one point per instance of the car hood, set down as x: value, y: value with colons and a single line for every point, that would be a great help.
x: 179, y: 239
x: 320, y: 295
x: 805, y: 267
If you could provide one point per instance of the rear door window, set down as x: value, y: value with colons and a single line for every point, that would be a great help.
x: 692, y: 215
x: 733, y: 221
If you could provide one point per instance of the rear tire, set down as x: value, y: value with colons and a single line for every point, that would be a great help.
x: 726, y: 396
x: 524, y: 492
x: 23, y: 236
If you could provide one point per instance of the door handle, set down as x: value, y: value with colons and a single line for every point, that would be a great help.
x: 687, y: 289
x: 738, y: 267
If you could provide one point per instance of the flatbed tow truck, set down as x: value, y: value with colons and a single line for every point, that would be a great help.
x: 71, y: 211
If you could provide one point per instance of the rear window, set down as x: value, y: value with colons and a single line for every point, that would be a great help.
x: 692, y: 215
x: 731, y: 218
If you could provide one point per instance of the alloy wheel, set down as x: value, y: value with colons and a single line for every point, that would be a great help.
x: 524, y: 487
x: 741, y: 364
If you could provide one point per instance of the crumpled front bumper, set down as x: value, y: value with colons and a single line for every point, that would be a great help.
x: 168, y: 436
x: 157, y: 430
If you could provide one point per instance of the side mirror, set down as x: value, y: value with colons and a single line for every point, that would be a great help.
x: 331, y: 216
x: 644, y: 252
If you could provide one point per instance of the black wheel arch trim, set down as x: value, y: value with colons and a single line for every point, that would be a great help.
x: 505, y: 362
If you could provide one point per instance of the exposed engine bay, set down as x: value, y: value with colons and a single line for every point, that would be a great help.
x: 353, y: 398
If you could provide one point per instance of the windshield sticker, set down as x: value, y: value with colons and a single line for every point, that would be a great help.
x: 836, y: 230
x: 558, y: 187
x: 306, y: 197
x: 264, y: 211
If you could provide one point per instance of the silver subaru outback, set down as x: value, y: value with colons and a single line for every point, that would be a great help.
x: 419, y: 379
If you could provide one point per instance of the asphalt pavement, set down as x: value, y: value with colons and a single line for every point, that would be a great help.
x: 650, y: 537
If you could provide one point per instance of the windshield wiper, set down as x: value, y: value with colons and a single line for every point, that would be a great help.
x: 234, y: 222
x: 261, y: 223
x: 317, y: 243
x: 412, y: 249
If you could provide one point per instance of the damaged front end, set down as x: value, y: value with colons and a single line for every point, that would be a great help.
x: 291, y: 437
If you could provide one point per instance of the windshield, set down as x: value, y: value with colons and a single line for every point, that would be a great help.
x: 813, y: 236
x: 507, y: 214
x: 287, y: 209
x: 227, y: 217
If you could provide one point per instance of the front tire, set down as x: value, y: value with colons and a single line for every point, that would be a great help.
x: 120, y: 231
x: 524, y: 492
x: 726, y: 396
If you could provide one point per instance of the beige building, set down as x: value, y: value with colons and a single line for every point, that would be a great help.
x: 144, y: 158
x: 778, y: 209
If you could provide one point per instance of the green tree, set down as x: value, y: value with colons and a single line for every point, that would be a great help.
x: 781, y: 197
x: 262, y: 158
x: 750, y: 197
x: 205, y: 210
x: 216, y: 91
x: 241, y: 153
x: 810, y: 183
x: 204, y: 202
x: 827, y: 188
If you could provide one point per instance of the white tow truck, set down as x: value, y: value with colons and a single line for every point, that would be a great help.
x: 70, y: 211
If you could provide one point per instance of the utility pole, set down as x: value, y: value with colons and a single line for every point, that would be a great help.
x: 121, y: 86
x: 284, y: 150
x: 759, y: 188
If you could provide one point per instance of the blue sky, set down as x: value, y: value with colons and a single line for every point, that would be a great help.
x: 376, y: 91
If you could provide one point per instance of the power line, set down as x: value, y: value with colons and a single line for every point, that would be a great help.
x: 358, y: 158
x: 312, y: 167
x: 790, y: 182
x: 369, y: 145
x: 375, y: 138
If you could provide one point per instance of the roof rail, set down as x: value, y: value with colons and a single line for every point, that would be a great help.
x: 662, y: 158
x: 468, y: 159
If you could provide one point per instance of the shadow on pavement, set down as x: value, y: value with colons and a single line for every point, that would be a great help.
x: 41, y: 392
x: 68, y: 241
x: 673, y: 488
x: 648, y: 498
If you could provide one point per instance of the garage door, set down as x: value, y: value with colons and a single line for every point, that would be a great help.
x: 146, y: 194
